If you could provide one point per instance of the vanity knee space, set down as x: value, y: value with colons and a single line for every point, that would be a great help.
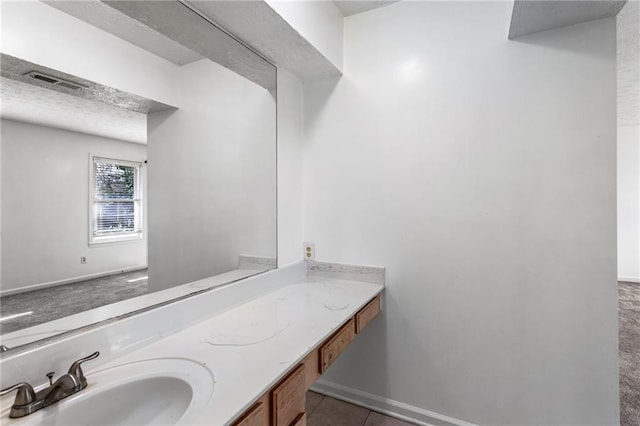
x: 284, y: 404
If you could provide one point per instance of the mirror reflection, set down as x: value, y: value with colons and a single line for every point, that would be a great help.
x: 136, y: 168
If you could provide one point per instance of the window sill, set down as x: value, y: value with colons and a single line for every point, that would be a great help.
x: 115, y: 239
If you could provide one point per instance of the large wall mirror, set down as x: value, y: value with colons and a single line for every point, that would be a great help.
x: 138, y: 152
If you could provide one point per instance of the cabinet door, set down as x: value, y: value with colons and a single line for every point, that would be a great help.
x: 338, y: 343
x: 288, y: 399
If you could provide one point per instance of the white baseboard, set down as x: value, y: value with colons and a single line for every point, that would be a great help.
x: 386, y: 406
x: 629, y: 279
x: 68, y: 281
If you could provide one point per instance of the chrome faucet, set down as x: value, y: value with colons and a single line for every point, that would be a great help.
x: 28, y: 401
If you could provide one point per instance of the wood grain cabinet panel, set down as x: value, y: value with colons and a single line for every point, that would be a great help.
x: 330, y: 351
x: 366, y: 314
x: 258, y: 415
x: 301, y: 420
x: 288, y: 398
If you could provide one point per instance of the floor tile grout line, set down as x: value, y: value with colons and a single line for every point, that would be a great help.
x: 366, y: 418
x: 318, y: 404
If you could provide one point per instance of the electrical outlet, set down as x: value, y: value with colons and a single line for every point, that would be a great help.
x: 309, y: 251
x: 83, y: 259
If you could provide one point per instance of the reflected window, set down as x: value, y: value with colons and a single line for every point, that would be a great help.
x: 116, y: 210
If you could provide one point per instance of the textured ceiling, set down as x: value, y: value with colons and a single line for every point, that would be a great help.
x: 112, y: 21
x: 628, y: 29
x: 352, y: 7
x: 16, y: 69
x: 532, y: 16
x: 33, y: 104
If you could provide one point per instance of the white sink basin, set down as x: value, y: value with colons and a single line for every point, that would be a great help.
x: 166, y: 391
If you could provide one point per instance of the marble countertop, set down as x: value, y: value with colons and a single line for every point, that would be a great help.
x: 250, y: 347
x: 92, y: 316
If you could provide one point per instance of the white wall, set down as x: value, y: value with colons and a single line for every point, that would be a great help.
x: 481, y: 173
x: 320, y: 22
x: 212, y: 177
x: 290, y: 187
x: 36, y: 32
x: 628, y: 58
x: 45, y: 206
x: 629, y: 203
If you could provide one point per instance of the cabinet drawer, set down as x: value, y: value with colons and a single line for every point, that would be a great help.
x: 366, y: 314
x: 288, y: 398
x: 334, y: 347
x: 255, y: 416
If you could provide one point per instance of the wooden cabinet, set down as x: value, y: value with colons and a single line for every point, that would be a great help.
x: 258, y: 415
x: 366, y: 314
x: 330, y: 351
x: 284, y: 404
x: 301, y: 420
x: 288, y: 399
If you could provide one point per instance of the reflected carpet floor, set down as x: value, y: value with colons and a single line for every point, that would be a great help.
x: 629, y: 352
x: 52, y: 303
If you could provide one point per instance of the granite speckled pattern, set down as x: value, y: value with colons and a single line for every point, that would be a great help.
x: 60, y: 301
x: 629, y: 352
x: 370, y: 274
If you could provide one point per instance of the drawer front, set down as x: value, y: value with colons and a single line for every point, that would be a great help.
x: 256, y: 416
x: 288, y: 398
x: 336, y: 345
x: 367, y: 313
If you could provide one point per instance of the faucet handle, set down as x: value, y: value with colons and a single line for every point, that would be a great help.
x: 26, y: 394
x: 76, y: 369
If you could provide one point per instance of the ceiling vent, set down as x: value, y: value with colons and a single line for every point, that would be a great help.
x: 53, y: 80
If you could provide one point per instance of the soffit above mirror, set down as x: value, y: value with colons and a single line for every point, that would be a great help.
x: 532, y: 16
x: 100, y: 15
x: 350, y: 7
x: 173, y: 18
x: 266, y: 29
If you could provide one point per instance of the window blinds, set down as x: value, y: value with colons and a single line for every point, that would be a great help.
x: 116, y: 202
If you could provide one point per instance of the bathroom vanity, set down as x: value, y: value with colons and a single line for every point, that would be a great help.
x: 284, y: 404
x: 242, y: 354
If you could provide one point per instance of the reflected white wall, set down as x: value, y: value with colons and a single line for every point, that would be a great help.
x: 45, y: 207
x: 212, y: 177
x: 628, y: 43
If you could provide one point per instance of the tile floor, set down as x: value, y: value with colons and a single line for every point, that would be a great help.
x: 326, y: 411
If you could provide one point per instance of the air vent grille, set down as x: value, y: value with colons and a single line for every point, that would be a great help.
x: 53, y: 80
x: 44, y: 78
